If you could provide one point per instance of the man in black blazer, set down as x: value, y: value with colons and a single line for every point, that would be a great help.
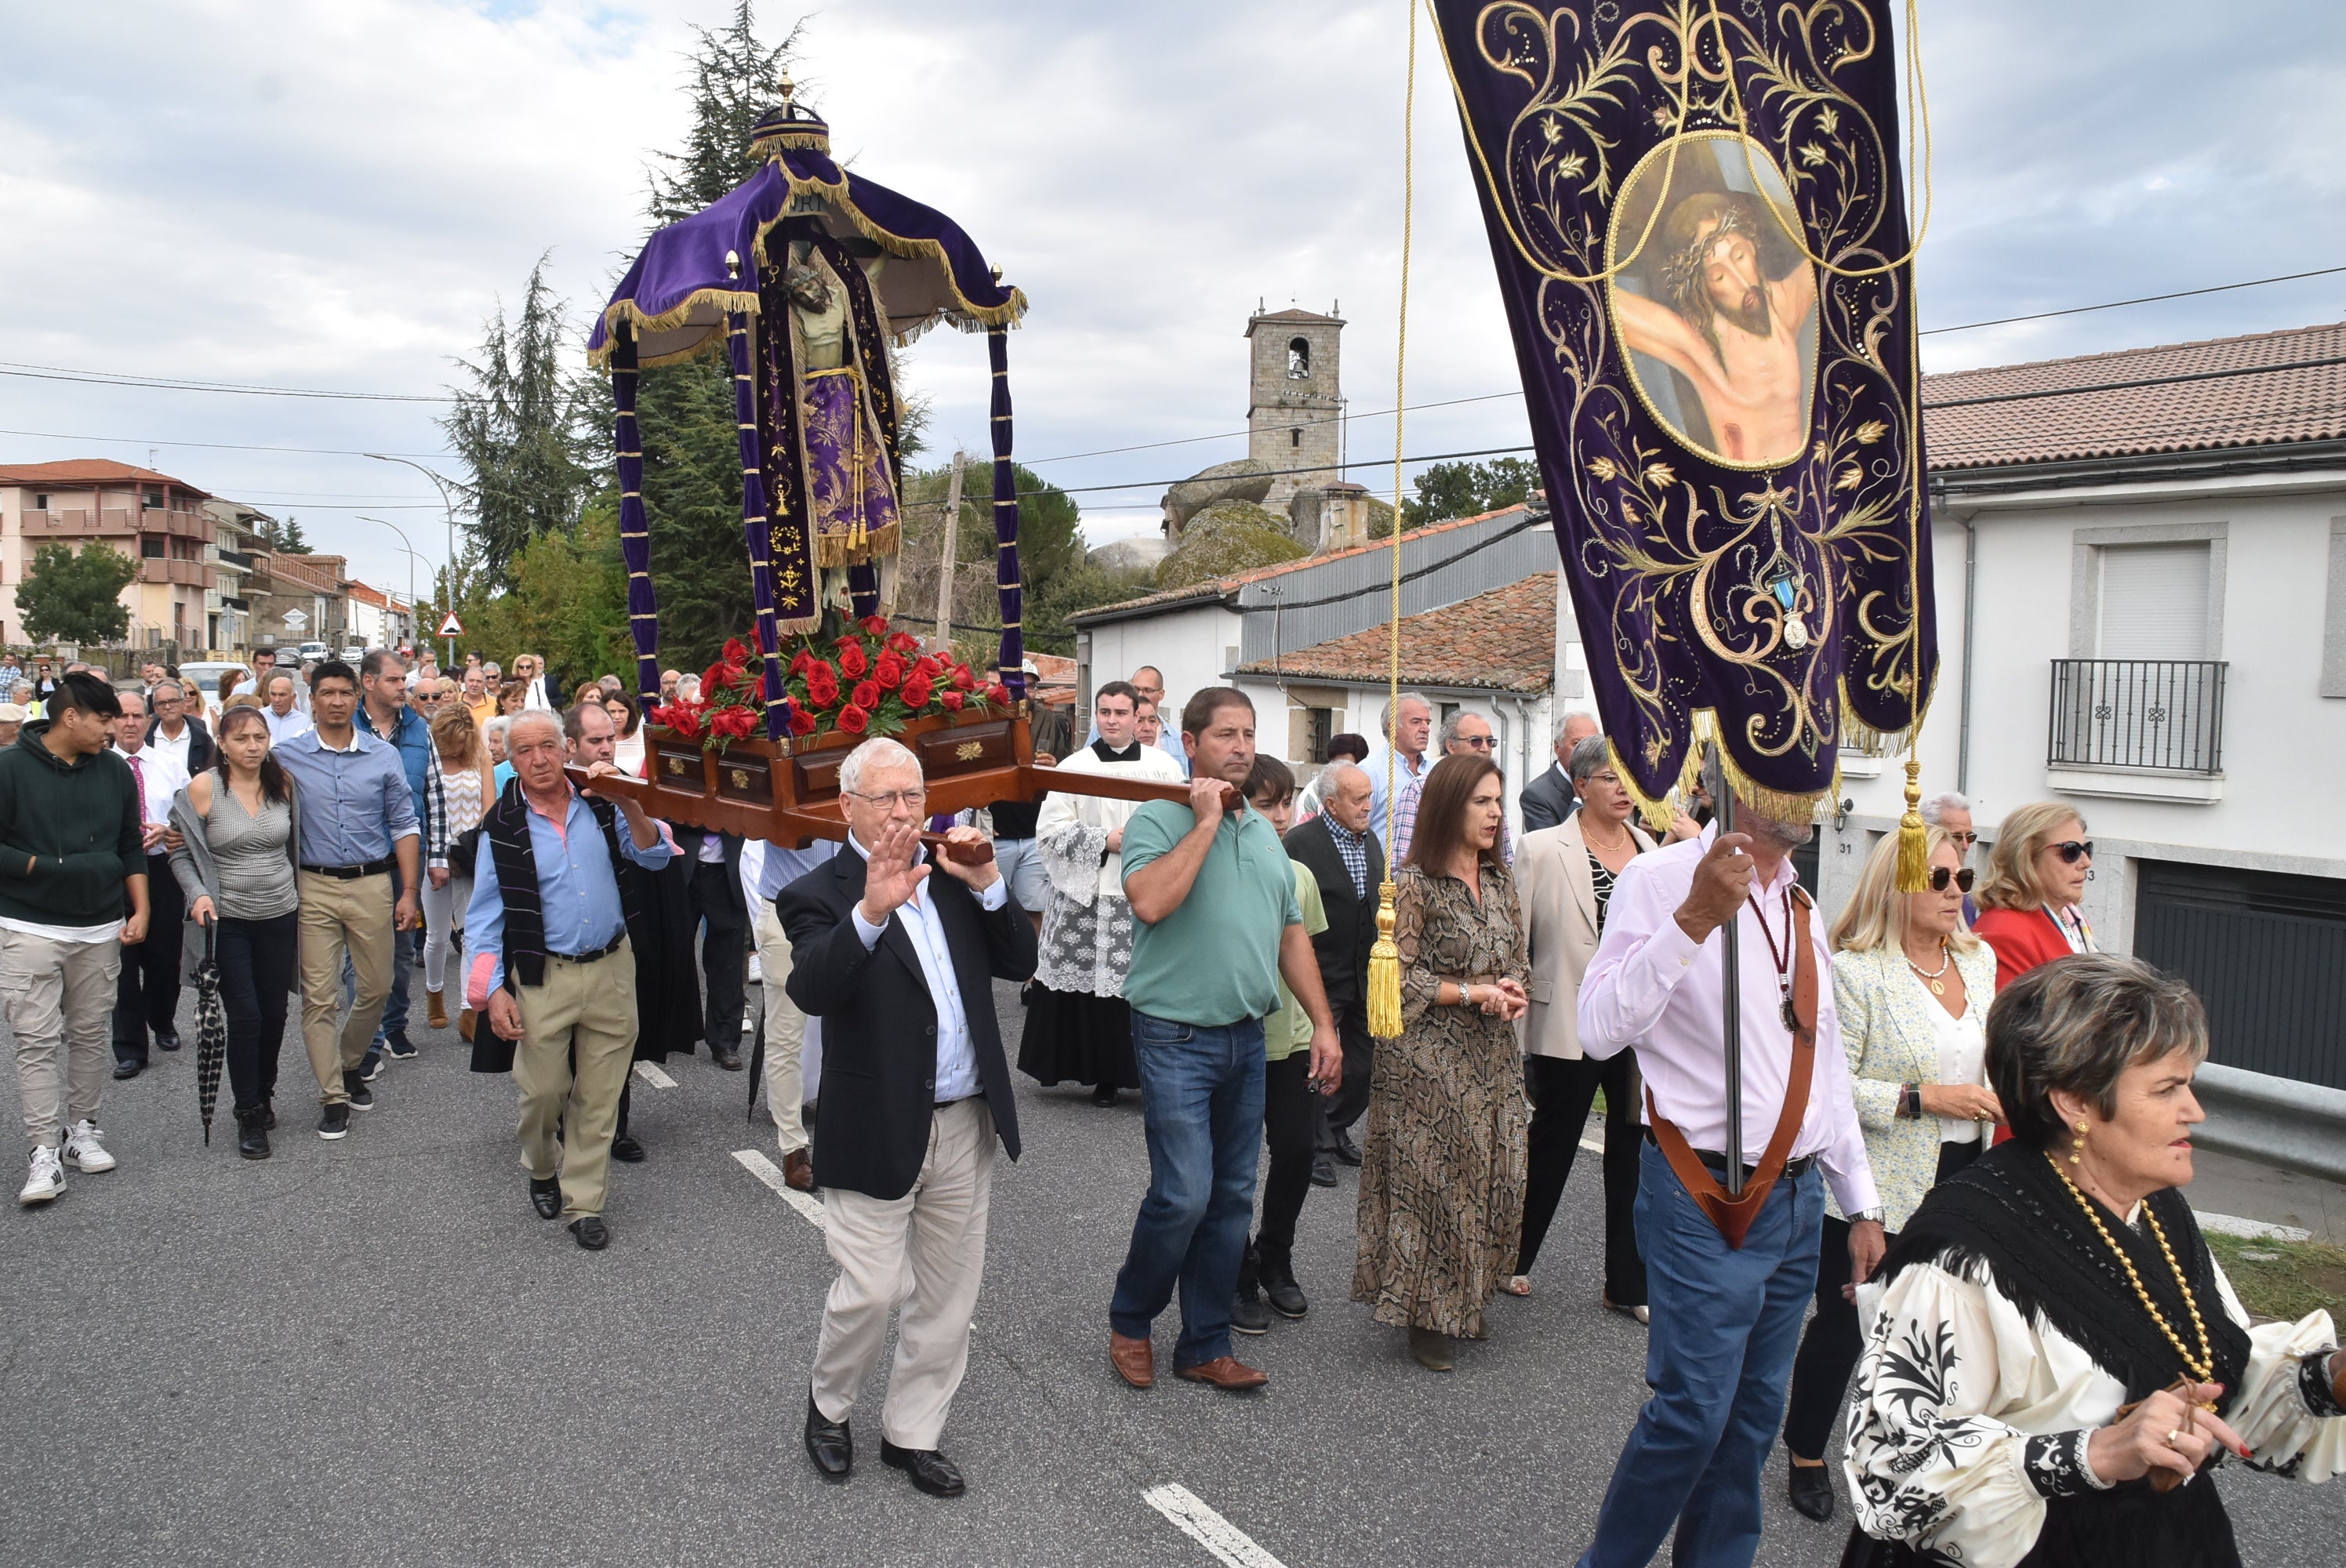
x: 1548, y: 799
x: 899, y: 962
x: 712, y: 864
x: 1349, y: 878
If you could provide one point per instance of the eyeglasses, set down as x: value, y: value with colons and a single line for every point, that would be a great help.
x: 1966, y: 839
x: 1480, y: 742
x: 888, y: 798
x: 1941, y: 876
x: 2071, y: 850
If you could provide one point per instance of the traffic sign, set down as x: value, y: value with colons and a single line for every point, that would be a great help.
x: 452, y: 627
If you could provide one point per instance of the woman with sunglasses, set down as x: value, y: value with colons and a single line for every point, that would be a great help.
x: 2036, y: 872
x: 1913, y: 987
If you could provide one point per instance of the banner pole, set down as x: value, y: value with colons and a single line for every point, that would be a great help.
x: 1722, y: 806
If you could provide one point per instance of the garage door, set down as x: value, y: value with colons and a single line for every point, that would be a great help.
x: 2267, y: 954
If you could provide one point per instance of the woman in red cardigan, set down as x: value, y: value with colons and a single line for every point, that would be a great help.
x: 2035, y: 875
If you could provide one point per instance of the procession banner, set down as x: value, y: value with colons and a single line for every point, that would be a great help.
x: 1700, y: 230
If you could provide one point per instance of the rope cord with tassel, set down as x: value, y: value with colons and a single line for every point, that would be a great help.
x: 1384, y: 958
x: 1914, y: 837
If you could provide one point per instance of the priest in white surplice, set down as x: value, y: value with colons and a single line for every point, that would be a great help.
x: 1078, y: 1026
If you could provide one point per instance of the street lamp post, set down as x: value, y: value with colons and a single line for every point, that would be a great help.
x: 447, y: 507
x: 411, y: 558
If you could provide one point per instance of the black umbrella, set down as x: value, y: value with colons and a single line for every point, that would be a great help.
x: 211, y: 1032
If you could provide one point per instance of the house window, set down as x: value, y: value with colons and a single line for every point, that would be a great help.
x: 1295, y: 437
x: 154, y: 498
x: 1319, y: 728
x: 40, y: 503
x: 1299, y: 360
x: 151, y: 546
x: 2154, y: 601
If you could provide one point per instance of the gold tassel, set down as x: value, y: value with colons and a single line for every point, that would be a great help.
x: 1914, y: 838
x: 1384, y: 971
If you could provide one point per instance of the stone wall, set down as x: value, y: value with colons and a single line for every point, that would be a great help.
x: 1292, y: 420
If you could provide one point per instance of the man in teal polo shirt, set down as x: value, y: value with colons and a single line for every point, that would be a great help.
x: 1214, y: 927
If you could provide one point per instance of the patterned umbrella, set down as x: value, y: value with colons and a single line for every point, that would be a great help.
x: 211, y: 1032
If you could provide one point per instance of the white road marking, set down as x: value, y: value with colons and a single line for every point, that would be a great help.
x: 2253, y: 1229
x: 1208, y: 1529
x: 650, y: 1072
x: 1592, y: 1145
x: 755, y: 1161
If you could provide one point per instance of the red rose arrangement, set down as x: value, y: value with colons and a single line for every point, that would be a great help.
x: 732, y: 702
x: 870, y: 681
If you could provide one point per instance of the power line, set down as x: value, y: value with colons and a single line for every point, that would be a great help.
x: 177, y: 384
x: 1232, y: 434
x: 212, y: 445
x: 2146, y: 299
x: 2143, y: 381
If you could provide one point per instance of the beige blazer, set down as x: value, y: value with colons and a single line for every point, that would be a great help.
x: 1560, y: 899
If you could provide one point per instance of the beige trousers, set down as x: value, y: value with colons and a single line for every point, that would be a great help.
x: 339, y: 916
x: 59, y: 996
x: 925, y: 1251
x: 588, y: 1009
x: 785, y: 1032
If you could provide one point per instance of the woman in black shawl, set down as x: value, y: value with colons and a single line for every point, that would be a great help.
x: 2054, y: 1358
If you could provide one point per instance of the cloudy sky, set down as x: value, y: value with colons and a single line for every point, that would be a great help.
x: 333, y: 195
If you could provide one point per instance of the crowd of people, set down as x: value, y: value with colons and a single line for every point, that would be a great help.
x: 1965, y: 1127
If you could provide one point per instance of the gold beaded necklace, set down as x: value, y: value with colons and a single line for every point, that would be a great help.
x: 2202, y: 1369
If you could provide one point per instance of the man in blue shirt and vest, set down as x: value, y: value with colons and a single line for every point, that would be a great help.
x: 358, y: 826
x: 550, y: 969
x: 384, y: 714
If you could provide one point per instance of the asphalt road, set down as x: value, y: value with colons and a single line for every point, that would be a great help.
x: 373, y: 1352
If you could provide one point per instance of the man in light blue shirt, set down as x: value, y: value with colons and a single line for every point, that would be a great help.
x: 358, y: 824
x: 550, y: 969
x: 1408, y: 726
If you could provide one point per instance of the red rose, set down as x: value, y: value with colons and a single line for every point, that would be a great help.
x: 853, y: 720
x: 716, y: 678
x: 875, y: 626
x: 801, y: 721
x: 888, y: 669
x: 733, y: 723
x: 904, y: 642
x: 681, y: 718
x: 961, y: 680
x: 822, y: 685
x: 998, y: 695
x: 851, y: 662
x: 737, y: 651
x: 952, y: 701
x: 802, y: 662
x: 866, y: 695
x: 917, y: 692
x: 929, y: 665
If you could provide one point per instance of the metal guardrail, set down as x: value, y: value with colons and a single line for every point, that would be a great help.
x: 2163, y: 715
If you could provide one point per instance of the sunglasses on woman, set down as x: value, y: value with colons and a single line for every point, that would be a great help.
x: 2071, y: 850
x: 1941, y: 876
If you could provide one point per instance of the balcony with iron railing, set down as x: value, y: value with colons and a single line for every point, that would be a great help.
x: 2148, y: 717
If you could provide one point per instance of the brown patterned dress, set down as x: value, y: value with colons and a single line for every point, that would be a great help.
x: 1442, y: 1172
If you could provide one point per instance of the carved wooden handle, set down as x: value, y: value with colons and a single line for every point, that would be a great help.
x: 964, y: 852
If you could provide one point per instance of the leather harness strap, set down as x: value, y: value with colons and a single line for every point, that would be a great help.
x: 1733, y: 1216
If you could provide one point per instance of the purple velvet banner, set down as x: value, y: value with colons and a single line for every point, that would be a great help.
x: 1700, y: 235
x: 1006, y: 519
x: 635, y: 538
x: 754, y: 532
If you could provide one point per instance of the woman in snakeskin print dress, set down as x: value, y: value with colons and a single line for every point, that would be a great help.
x: 1441, y: 1177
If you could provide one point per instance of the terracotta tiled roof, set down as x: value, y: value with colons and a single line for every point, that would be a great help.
x: 366, y: 596
x: 1222, y: 587
x: 91, y: 471
x: 2242, y: 405
x: 1505, y: 642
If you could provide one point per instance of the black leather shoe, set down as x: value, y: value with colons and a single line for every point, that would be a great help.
x: 168, y: 1040
x: 591, y: 1232
x: 727, y: 1057
x: 362, y: 1098
x: 1249, y: 1315
x: 251, y: 1136
x: 829, y: 1443
x: 1286, y: 1296
x: 128, y: 1069
x: 932, y: 1471
x: 1346, y: 1149
x: 626, y: 1151
x: 545, y: 1196
x: 1812, y: 1491
x: 1323, y: 1170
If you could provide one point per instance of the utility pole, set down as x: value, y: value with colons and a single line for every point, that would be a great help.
x: 945, y: 564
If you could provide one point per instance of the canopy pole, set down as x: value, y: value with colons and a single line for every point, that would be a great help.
x: 756, y: 531
x: 634, y: 536
x: 1730, y: 1031
x: 1013, y: 656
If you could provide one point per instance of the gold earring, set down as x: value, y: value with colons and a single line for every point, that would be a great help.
x: 2077, y: 1145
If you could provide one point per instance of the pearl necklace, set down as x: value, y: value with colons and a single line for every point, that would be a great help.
x: 1938, y: 986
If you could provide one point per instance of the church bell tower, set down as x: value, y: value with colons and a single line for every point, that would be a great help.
x: 1294, y: 406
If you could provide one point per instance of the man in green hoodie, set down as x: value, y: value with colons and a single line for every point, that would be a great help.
x: 70, y: 855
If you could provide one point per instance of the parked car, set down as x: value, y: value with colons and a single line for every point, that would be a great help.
x: 313, y: 650
x: 205, y: 678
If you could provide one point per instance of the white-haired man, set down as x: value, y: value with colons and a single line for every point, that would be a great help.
x: 1548, y: 799
x: 899, y: 965
x: 1951, y: 811
x: 1407, y: 724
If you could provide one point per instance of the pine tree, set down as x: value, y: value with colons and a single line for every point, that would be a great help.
x: 735, y: 79
x: 285, y: 537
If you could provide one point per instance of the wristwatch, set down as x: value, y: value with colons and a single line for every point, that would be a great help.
x: 1866, y: 1214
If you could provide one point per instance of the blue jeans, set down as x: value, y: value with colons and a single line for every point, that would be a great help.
x: 1201, y: 1102
x: 1718, y: 1356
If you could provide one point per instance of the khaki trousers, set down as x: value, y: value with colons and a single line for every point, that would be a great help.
x: 925, y: 1251
x: 588, y: 1009
x: 59, y: 994
x: 785, y: 1032
x: 340, y: 917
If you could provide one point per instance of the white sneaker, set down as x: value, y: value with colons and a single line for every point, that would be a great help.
x: 84, y: 1152
x: 756, y: 971
x: 48, y: 1178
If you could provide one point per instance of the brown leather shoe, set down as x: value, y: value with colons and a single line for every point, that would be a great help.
x: 1135, y: 1360
x: 1224, y: 1372
x: 437, y: 1006
x: 465, y: 1025
x: 798, y: 1169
